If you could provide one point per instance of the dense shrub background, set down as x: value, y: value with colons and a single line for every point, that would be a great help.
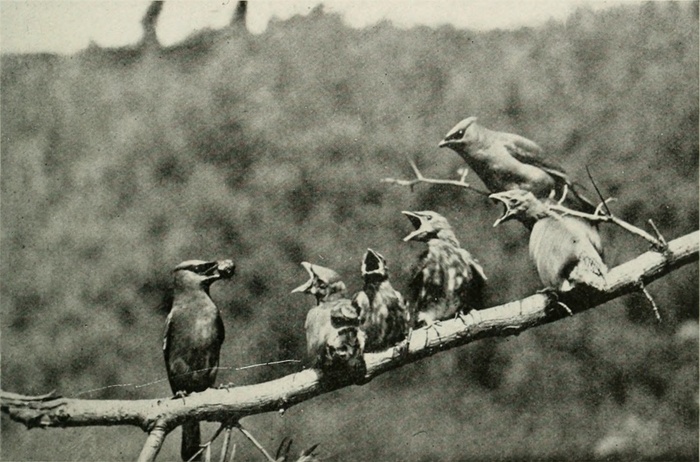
x: 119, y: 164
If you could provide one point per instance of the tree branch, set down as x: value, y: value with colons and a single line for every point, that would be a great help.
x: 421, y: 179
x: 159, y: 416
x: 153, y: 443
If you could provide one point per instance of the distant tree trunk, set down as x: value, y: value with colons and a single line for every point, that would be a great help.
x: 149, y: 21
x: 238, y: 19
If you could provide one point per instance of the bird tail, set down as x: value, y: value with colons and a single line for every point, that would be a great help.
x: 191, y: 441
x: 590, y: 272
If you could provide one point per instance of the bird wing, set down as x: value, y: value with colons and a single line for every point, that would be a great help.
x: 166, y: 335
x: 361, y: 303
x: 529, y: 152
x: 343, y: 313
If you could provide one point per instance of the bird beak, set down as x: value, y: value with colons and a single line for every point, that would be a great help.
x: 304, y: 287
x: 372, y: 263
x: 308, y: 284
x: 223, y: 269
x: 417, y: 223
x: 226, y: 268
x: 508, y: 213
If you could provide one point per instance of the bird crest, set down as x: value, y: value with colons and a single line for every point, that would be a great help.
x: 457, y: 134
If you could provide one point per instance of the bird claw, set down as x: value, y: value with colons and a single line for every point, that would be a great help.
x: 434, y: 326
x: 226, y: 386
x: 553, y: 296
x: 462, y: 317
x: 404, y: 346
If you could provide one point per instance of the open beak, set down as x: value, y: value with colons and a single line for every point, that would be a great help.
x: 372, y: 263
x: 508, y: 213
x: 418, y: 223
x: 307, y: 285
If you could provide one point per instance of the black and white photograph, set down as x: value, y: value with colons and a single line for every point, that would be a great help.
x: 349, y: 230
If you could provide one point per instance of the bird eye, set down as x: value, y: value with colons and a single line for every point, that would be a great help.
x: 430, y: 217
x: 456, y: 135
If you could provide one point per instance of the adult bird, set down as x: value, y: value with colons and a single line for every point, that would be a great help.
x: 447, y: 280
x: 384, y: 317
x: 194, y: 332
x: 566, y: 251
x: 333, y: 337
x: 505, y: 161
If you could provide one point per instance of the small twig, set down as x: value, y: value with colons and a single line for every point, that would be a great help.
x: 604, y: 203
x: 609, y: 219
x: 233, y: 453
x: 646, y: 293
x: 207, y: 453
x: 422, y: 179
x: 205, y: 447
x: 659, y: 236
x: 255, y: 442
x: 227, y: 441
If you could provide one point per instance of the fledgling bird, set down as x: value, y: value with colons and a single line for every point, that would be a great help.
x: 566, y: 250
x: 194, y: 332
x: 333, y: 337
x: 505, y: 161
x: 447, y: 280
x: 384, y: 317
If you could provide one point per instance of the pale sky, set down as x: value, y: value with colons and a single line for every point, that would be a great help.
x: 68, y: 26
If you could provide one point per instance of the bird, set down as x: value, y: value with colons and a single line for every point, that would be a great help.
x: 194, y: 332
x: 384, y: 316
x: 505, y: 161
x: 333, y: 337
x: 567, y: 251
x: 447, y: 280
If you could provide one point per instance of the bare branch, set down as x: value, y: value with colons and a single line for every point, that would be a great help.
x: 421, y: 179
x: 160, y: 416
x: 225, y: 445
x: 255, y: 442
x: 609, y: 218
x: 154, y: 442
x: 654, y: 306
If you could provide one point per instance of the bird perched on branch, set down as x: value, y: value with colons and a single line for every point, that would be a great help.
x: 333, y: 337
x: 505, y: 161
x: 194, y: 332
x: 566, y: 250
x: 384, y: 317
x: 447, y: 280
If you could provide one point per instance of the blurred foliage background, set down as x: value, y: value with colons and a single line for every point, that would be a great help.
x: 117, y: 164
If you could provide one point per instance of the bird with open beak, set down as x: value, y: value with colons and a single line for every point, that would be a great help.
x: 567, y: 251
x: 194, y: 332
x: 505, y: 161
x: 447, y: 280
x: 333, y: 337
x: 384, y: 317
